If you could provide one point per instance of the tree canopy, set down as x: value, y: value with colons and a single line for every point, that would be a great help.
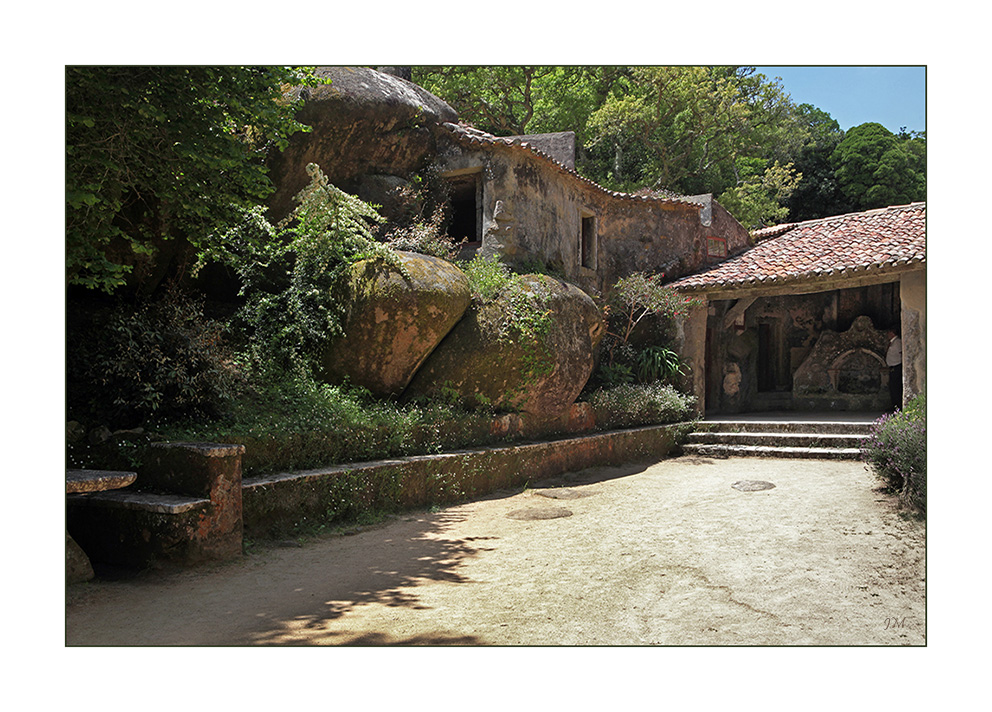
x: 875, y: 168
x: 156, y: 152
x: 729, y: 131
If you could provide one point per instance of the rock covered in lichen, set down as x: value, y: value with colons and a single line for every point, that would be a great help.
x: 362, y: 122
x: 531, y: 350
x: 395, y: 318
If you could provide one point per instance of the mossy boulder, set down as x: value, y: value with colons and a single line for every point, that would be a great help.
x: 363, y: 122
x: 531, y: 350
x: 394, y: 320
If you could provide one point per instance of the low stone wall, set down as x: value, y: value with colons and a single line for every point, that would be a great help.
x: 277, y: 504
x: 193, y: 505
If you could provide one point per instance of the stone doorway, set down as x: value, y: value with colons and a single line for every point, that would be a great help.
x: 465, y: 226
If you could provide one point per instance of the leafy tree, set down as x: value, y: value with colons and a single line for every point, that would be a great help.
x: 757, y: 201
x: 153, y: 153
x: 678, y: 128
x: 682, y: 128
x: 497, y: 99
x: 818, y: 194
x: 875, y: 168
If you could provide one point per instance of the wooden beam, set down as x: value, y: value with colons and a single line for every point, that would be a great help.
x: 773, y: 289
x: 737, y: 310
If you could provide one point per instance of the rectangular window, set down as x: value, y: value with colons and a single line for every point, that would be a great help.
x: 588, y: 245
x: 716, y: 248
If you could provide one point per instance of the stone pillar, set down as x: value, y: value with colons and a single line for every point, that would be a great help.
x: 694, y: 352
x: 913, y: 296
x: 206, y: 470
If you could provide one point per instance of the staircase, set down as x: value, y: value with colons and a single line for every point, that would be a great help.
x: 802, y: 435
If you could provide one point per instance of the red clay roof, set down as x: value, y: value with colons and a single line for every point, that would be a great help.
x: 857, y: 243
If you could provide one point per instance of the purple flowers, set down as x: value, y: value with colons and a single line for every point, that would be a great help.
x: 896, y: 450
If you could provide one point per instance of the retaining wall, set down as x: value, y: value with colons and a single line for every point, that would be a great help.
x: 275, y: 504
x: 191, y: 504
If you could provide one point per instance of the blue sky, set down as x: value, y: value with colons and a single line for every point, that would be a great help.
x: 891, y: 96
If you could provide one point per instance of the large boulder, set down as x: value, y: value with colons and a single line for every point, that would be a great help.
x: 394, y: 321
x: 530, y: 350
x: 363, y: 122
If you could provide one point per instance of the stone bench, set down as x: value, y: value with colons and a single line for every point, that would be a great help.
x: 77, y: 564
x: 187, y: 510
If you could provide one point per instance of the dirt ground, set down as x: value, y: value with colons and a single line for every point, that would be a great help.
x: 669, y: 553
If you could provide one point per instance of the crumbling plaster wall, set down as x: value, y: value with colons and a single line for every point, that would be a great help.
x: 532, y: 211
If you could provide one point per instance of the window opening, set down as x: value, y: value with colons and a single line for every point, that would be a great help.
x: 716, y: 248
x: 588, y: 239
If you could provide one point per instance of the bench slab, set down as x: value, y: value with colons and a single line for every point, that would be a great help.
x: 97, y: 480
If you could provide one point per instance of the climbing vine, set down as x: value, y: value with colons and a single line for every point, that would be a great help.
x: 292, y: 272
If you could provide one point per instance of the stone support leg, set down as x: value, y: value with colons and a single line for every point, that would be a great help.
x: 913, y: 295
x: 694, y: 353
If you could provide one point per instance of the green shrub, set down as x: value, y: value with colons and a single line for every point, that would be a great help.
x: 487, y: 276
x: 657, y: 363
x: 640, y: 315
x: 162, y: 361
x: 630, y: 405
x: 426, y: 237
x: 290, y: 272
x: 896, y: 451
x: 289, y: 421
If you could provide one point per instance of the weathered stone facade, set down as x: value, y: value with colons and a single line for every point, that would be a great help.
x: 533, y: 207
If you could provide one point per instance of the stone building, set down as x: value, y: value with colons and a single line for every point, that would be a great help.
x: 521, y: 198
x: 793, y: 317
x: 800, y: 321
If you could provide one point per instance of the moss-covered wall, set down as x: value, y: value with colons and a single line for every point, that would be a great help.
x: 279, y: 504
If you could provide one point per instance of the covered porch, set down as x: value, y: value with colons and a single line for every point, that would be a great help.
x: 804, y: 321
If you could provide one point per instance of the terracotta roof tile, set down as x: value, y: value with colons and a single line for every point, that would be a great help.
x: 858, y: 243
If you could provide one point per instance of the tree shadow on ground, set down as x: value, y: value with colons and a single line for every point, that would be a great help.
x: 409, y: 551
x: 380, y: 566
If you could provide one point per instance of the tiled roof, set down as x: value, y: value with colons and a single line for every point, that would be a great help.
x: 887, y: 239
x: 471, y: 136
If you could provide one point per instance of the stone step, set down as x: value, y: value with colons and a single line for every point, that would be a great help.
x: 859, y: 428
x: 814, y: 453
x: 141, y: 501
x: 778, y: 439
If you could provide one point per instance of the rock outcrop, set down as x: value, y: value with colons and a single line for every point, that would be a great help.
x: 541, y: 371
x: 363, y: 122
x: 394, y: 321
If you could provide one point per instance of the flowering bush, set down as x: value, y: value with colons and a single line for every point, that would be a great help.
x: 896, y: 450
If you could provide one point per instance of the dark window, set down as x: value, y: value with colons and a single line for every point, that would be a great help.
x: 588, y: 240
